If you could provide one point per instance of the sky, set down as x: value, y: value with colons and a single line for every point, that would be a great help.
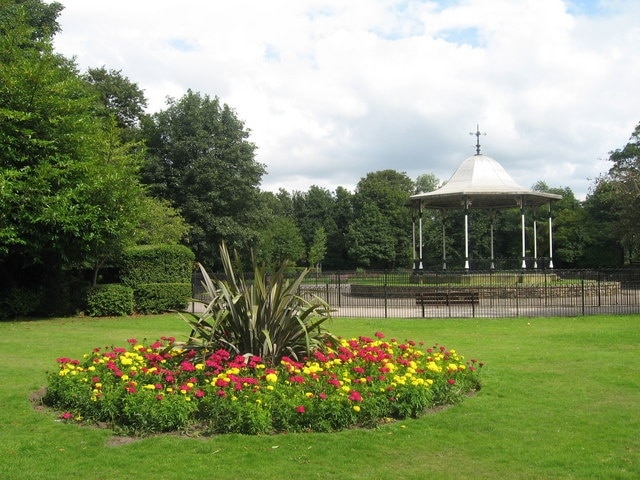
x: 332, y: 90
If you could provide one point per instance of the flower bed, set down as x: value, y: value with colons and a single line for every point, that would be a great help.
x: 163, y: 387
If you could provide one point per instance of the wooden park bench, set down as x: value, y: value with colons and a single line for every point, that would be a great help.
x: 439, y: 297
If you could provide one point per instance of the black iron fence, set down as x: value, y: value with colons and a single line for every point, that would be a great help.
x: 487, y: 294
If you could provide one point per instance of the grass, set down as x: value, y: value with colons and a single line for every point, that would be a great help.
x: 560, y: 400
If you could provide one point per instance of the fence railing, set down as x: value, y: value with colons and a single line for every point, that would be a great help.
x: 487, y: 294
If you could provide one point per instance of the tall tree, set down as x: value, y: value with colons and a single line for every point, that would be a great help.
x: 202, y: 161
x: 69, y: 194
x: 388, y: 191
x: 281, y: 242
x: 625, y: 177
x: 119, y: 97
x: 602, y: 211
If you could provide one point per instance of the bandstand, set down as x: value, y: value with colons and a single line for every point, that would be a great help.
x: 480, y: 182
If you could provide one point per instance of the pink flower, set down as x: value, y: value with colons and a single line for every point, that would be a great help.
x: 379, y: 335
x: 355, y: 396
x: 66, y: 416
x: 187, y: 366
x: 300, y: 409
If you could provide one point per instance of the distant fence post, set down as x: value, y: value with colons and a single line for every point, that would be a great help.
x: 386, y: 295
x: 582, y: 289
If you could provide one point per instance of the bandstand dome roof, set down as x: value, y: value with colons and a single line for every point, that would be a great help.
x: 484, y: 183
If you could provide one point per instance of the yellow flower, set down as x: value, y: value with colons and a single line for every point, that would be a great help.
x: 271, y: 377
x: 356, y: 408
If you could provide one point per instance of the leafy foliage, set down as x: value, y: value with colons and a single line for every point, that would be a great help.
x: 267, y: 317
x: 200, y: 160
x: 111, y: 299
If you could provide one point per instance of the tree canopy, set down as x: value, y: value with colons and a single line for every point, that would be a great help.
x: 200, y: 159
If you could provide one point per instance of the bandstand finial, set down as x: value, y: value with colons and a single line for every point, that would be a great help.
x: 477, y: 134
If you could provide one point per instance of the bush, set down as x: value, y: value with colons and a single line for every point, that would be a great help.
x: 161, y: 297
x: 110, y: 299
x: 266, y: 317
x: 20, y: 302
x: 157, y: 264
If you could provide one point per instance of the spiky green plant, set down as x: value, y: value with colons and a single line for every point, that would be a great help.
x: 266, y: 317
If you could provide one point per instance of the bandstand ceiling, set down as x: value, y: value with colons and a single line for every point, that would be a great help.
x: 483, y: 183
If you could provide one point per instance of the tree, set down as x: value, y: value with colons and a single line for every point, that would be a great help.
x: 160, y: 223
x: 69, y: 191
x: 602, y: 211
x: 318, y: 248
x: 388, y: 191
x: 281, y: 242
x: 120, y: 97
x: 371, y: 239
x: 427, y: 182
x: 202, y: 162
x: 625, y: 177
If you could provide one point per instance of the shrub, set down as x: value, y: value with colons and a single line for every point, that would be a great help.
x: 160, y: 276
x: 156, y: 264
x: 163, y: 387
x: 266, y: 318
x: 161, y: 297
x: 20, y: 302
x: 110, y: 299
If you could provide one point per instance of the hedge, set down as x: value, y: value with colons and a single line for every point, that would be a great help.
x: 161, y: 297
x: 110, y: 299
x: 157, y: 264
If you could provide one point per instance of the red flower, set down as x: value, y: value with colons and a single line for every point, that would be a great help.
x: 451, y: 381
x: 221, y: 383
x: 187, y: 366
x: 300, y: 409
x: 132, y: 341
x: 355, y: 396
x: 379, y: 334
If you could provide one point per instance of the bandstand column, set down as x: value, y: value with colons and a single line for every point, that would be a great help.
x: 413, y: 242
x: 444, y: 243
x: 535, y: 243
x: 550, y: 238
x: 524, y: 252
x: 493, y: 265
x: 466, y: 233
x: 420, y: 266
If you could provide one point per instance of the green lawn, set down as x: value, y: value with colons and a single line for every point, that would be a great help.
x: 561, y: 399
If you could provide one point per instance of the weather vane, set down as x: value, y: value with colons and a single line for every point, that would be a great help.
x: 477, y: 134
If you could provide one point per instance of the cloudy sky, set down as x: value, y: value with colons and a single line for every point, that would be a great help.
x: 334, y: 89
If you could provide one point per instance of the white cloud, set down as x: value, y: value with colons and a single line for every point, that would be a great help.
x: 332, y: 90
